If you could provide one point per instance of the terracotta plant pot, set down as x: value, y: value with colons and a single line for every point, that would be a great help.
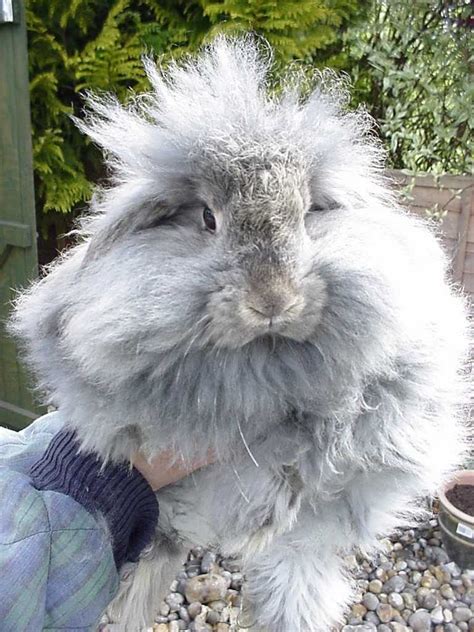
x: 457, y: 527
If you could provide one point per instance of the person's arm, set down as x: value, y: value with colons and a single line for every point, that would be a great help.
x: 67, y: 523
x: 65, y: 528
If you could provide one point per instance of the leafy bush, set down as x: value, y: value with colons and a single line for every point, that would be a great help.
x: 412, y: 63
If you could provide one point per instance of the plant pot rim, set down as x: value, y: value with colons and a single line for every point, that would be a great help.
x: 460, y: 477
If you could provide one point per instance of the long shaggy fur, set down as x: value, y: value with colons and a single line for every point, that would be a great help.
x: 312, y: 341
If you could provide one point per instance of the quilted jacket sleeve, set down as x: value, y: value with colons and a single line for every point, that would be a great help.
x: 57, y: 567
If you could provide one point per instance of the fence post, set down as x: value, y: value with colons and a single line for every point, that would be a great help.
x: 463, y: 231
x: 18, y: 255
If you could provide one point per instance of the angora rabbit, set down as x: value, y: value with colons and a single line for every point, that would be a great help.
x: 248, y: 285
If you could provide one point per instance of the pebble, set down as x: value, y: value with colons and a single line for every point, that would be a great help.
x: 437, y: 615
x: 227, y: 576
x: 462, y: 614
x: 184, y: 614
x: 453, y: 569
x: 213, y: 617
x: 194, y: 609
x: 429, y: 601
x: 236, y: 581
x: 208, y: 562
x: 174, y: 601
x: 234, y: 598
x: 385, y: 612
x: 181, y: 586
x: 231, y: 565
x: 173, y: 585
x: 375, y: 586
x: 372, y: 617
x: 446, y: 591
x: 447, y: 615
x: 395, y: 584
x: 428, y: 582
x: 440, y: 555
x: 370, y: 601
x: 396, y: 600
x: 381, y: 574
x: 205, y: 588
x: 420, y: 621
x: 408, y: 599
x: 358, y: 611
x: 364, y: 627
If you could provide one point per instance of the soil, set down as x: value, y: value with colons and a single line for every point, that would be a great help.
x: 462, y: 497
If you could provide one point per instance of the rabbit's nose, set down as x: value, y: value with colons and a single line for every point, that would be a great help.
x: 272, y: 306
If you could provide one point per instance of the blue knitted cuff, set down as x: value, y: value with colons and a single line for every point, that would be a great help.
x: 116, y: 491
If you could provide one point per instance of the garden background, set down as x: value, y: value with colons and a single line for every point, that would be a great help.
x: 410, y: 64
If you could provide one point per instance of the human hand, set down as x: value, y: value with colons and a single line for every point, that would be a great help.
x: 166, y: 468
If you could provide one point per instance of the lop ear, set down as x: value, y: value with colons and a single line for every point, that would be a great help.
x: 105, y: 237
x: 110, y: 227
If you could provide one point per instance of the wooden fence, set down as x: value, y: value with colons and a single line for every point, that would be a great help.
x: 18, y: 253
x: 449, y: 200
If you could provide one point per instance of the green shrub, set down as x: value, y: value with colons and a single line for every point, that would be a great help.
x: 412, y: 63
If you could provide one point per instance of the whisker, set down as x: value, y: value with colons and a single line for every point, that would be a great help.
x: 244, y: 441
x: 191, y: 342
x: 239, y: 481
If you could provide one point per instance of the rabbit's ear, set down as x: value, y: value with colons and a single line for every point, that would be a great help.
x: 105, y: 238
x: 109, y: 232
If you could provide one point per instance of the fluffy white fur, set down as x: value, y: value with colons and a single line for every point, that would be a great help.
x: 312, y: 340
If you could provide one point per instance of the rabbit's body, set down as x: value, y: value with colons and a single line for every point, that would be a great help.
x: 302, y: 329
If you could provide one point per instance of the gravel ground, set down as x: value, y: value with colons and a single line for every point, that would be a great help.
x: 411, y: 586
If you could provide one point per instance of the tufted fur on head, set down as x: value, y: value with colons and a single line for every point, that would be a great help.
x: 248, y: 283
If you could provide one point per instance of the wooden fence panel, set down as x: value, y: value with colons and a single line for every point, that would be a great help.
x: 452, y: 198
x: 18, y: 261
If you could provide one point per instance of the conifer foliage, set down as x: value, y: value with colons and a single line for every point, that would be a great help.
x: 97, y: 45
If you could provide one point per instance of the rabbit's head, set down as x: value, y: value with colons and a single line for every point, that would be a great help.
x: 246, y: 255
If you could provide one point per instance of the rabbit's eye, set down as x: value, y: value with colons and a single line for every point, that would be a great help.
x: 319, y: 208
x: 209, y: 219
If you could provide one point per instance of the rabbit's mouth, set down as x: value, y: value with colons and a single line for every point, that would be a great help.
x: 273, y: 319
x: 236, y: 319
